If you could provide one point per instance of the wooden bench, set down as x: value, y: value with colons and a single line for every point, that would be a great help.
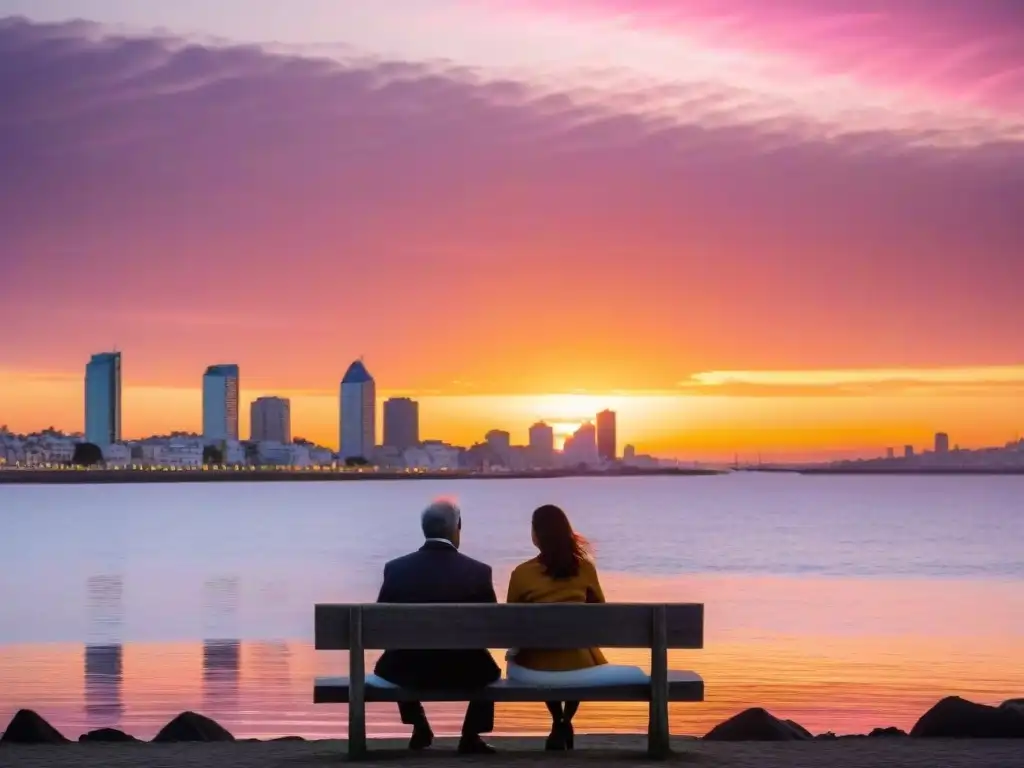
x: 356, y: 628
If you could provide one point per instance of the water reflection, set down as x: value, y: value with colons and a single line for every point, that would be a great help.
x: 222, y: 654
x: 104, y: 654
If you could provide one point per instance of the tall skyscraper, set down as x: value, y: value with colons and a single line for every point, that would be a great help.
x: 606, y: 446
x: 271, y: 420
x: 357, y: 428
x: 401, y: 423
x: 582, y: 449
x: 542, y: 444
x: 941, y: 442
x: 103, y: 399
x: 220, y: 403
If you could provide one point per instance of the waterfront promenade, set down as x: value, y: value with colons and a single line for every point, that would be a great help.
x: 78, y: 476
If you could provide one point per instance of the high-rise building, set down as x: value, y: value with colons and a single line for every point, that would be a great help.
x: 941, y: 442
x: 498, y: 440
x: 542, y: 443
x: 401, y: 423
x: 270, y: 420
x: 606, y: 445
x: 220, y: 404
x: 582, y: 449
x: 357, y: 426
x: 103, y: 399
x: 908, y: 451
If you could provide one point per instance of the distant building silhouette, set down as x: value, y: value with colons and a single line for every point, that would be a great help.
x: 606, y: 440
x: 401, y: 423
x: 890, y: 453
x: 104, y: 655
x: 581, y: 448
x: 220, y: 404
x: 271, y: 420
x: 103, y: 399
x: 908, y: 451
x: 941, y: 442
x: 542, y: 444
x: 357, y: 430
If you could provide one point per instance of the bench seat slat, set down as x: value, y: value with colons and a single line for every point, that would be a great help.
x: 682, y: 686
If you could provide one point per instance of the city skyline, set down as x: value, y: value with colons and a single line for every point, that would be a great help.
x: 787, y: 229
x: 576, y: 409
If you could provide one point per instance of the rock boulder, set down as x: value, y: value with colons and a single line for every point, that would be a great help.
x: 28, y: 727
x: 957, y: 718
x: 887, y: 733
x: 189, y: 726
x: 757, y: 725
x: 106, y: 735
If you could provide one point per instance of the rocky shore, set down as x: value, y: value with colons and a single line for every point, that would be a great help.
x: 955, y: 732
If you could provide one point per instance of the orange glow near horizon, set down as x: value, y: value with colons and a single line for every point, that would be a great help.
x: 786, y: 417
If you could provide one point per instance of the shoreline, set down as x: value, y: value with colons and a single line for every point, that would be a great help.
x: 133, y: 476
x: 592, y: 750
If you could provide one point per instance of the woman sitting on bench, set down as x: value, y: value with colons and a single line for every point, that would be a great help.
x: 563, y: 572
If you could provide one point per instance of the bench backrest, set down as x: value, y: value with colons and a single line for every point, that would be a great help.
x: 452, y: 625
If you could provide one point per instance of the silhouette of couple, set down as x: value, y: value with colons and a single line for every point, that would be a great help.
x: 562, y: 572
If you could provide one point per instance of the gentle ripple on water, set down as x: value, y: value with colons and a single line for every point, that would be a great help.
x: 841, y: 602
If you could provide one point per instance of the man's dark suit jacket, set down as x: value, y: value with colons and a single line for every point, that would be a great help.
x: 437, y: 573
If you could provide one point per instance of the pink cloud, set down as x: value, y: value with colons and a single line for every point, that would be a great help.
x: 452, y: 225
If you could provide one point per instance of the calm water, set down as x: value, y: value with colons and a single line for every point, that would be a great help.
x: 841, y: 602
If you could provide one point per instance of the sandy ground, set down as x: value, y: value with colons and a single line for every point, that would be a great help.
x: 590, y: 751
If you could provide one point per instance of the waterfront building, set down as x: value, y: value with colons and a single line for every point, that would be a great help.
x: 941, y: 442
x: 542, y: 444
x: 401, y: 423
x: 103, y: 399
x: 220, y: 404
x: 271, y: 420
x: 582, y: 447
x: 606, y: 441
x: 357, y: 427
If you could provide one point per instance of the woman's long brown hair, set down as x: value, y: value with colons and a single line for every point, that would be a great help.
x: 561, y: 549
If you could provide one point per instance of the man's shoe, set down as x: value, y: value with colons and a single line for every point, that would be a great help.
x: 422, y: 737
x: 474, y: 745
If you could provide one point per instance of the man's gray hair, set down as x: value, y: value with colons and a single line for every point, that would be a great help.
x: 441, y: 520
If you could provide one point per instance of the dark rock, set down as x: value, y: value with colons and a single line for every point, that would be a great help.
x: 956, y: 718
x: 288, y: 738
x: 886, y: 733
x: 106, y: 735
x: 28, y: 727
x: 1014, y: 704
x: 827, y: 736
x: 756, y: 725
x: 799, y: 729
x: 189, y: 726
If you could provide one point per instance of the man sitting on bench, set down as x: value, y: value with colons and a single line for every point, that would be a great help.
x: 439, y: 573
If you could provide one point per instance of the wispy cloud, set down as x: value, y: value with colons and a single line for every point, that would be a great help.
x: 992, y: 380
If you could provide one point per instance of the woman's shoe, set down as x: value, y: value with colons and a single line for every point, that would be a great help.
x: 556, y: 739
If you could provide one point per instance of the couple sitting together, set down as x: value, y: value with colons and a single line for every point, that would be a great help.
x: 562, y: 572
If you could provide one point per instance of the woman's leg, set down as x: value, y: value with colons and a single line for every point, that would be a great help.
x: 556, y: 739
x: 567, y: 714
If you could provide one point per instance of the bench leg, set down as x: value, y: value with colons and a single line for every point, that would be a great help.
x: 658, y: 746
x: 356, y: 689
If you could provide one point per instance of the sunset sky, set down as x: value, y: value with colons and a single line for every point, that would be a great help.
x: 792, y: 227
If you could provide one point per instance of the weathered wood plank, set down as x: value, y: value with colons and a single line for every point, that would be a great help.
x: 681, y: 686
x: 427, y: 626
